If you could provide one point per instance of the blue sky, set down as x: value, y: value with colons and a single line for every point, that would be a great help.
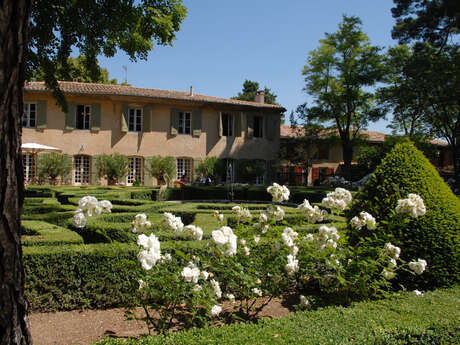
x: 222, y: 43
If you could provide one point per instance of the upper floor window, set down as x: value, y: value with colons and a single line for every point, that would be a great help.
x: 135, y: 120
x: 227, y: 125
x: 185, y: 120
x: 29, y: 116
x: 83, y: 115
x: 258, y: 126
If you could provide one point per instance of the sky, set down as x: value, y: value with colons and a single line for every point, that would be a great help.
x: 223, y: 43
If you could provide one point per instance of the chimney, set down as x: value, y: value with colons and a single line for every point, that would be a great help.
x: 260, y: 96
x: 191, y: 91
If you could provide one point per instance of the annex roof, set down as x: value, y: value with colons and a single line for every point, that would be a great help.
x: 78, y: 88
x: 372, y: 136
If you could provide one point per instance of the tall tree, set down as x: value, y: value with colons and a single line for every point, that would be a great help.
x: 433, y: 21
x: 338, y: 76
x: 404, y: 94
x: 39, y: 34
x: 76, y: 70
x: 249, y: 92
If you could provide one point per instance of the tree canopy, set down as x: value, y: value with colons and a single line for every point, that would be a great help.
x: 93, y: 28
x: 249, y: 92
x: 338, y: 76
x: 42, y: 34
x: 76, y: 70
x: 427, y: 21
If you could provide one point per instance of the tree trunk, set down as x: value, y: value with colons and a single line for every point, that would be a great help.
x: 347, y: 152
x: 14, y: 25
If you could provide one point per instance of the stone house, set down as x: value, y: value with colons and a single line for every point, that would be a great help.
x: 325, y: 156
x: 141, y: 123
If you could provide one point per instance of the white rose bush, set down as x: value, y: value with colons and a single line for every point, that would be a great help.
x: 240, y: 267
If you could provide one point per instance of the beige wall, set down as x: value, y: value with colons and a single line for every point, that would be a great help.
x: 158, y: 141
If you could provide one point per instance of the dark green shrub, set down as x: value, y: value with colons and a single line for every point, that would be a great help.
x: 38, y: 233
x: 434, y: 237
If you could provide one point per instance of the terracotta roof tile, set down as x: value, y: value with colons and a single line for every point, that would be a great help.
x: 372, y: 136
x: 121, y: 90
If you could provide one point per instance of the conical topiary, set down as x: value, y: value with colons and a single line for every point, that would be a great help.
x: 434, y: 237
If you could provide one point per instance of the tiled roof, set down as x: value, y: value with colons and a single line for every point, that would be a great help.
x: 121, y: 90
x: 372, y: 136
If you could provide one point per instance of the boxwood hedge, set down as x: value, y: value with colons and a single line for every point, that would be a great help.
x: 434, y: 237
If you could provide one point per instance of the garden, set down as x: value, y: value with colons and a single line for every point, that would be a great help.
x: 353, y: 267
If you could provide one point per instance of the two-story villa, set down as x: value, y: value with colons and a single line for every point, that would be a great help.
x: 141, y: 123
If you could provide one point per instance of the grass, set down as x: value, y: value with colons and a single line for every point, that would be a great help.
x: 433, y: 318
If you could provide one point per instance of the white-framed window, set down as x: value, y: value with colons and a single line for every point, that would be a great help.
x: 227, y: 125
x: 185, y: 123
x: 83, y: 116
x: 28, y: 163
x: 135, y: 120
x: 81, y: 169
x: 135, y: 170
x: 258, y: 127
x: 184, y: 169
x: 30, y: 115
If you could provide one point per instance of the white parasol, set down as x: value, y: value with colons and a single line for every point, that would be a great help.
x: 36, y: 148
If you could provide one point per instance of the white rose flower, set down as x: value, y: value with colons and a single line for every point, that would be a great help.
x: 191, y: 274
x: 204, y: 275
x: 313, y: 214
x: 197, y: 288
x: 418, y: 293
x: 256, y: 239
x: 195, y: 231
x: 257, y: 292
x: 292, y: 265
x: 106, y: 206
x: 150, y: 242
x: 418, y: 266
x: 392, y: 263
x: 309, y: 237
x: 246, y: 251
x: 216, y: 287
x: 388, y: 275
x: 279, y: 193
x: 304, y: 302
x: 413, y: 206
x: 216, y: 310
x: 79, y: 220
x: 142, y: 284
x: 392, y: 251
x: 230, y: 297
x: 148, y: 258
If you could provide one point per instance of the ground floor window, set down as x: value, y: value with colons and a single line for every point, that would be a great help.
x: 135, y: 170
x: 28, y: 163
x: 184, y: 169
x: 81, y: 169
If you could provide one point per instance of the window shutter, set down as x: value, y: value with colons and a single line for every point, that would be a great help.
x: 196, y: 123
x: 93, y: 170
x: 237, y: 118
x: 270, y: 126
x: 174, y: 121
x: 124, y: 117
x: 219, y: 123
x: 148, y: 178
x: 196, y: 162
x: 147, y: 114
x: 314, y: 174
x: 95, y: 117
x: 70, y: 117
x: 41, y: 115
x: 250, y: 120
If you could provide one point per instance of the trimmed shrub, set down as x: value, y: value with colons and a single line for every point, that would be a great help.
x: 95, y: 276
x: 434, y: 237
x: 38, y: 233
